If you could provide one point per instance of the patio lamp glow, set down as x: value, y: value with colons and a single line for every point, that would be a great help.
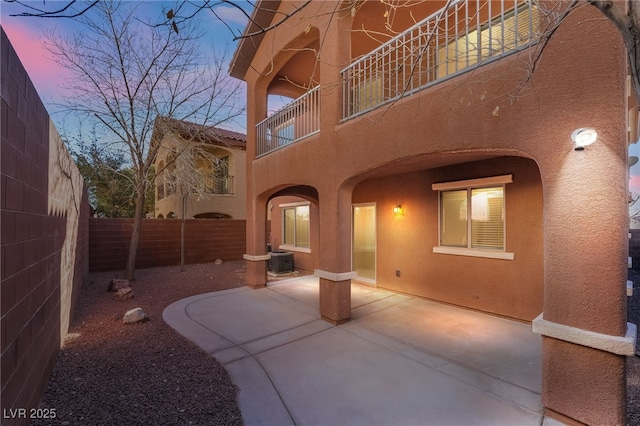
x: 397, y: 209
x: 583, y: 137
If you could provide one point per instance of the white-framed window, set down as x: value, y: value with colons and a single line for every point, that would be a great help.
x: 471, y: 215
x: 296, y: 229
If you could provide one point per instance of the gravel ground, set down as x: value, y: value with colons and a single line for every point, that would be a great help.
x: 108, y: 373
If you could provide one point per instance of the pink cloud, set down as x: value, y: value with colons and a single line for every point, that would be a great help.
x: 45, y: 74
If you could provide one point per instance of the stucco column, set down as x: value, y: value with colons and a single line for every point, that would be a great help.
x: 584, y: 327
x: 335, y: 256
x: 335, y: 54
x: 256, y: 256
x: 334, y: 272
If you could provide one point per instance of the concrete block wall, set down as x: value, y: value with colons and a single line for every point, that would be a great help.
x: 205, y: 241
x: 43, y: 240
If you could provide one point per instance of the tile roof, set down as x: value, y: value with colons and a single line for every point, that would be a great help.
x: 199, y: 133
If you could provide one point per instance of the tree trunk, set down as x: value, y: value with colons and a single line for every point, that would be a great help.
x: 184, y: 216
x: 135, y: 234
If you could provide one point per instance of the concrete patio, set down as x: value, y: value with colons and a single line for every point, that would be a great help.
x: 400, y: 360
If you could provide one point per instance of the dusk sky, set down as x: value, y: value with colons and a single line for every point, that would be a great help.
x: 25, y: 35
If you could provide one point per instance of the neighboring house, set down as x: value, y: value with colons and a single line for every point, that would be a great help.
x: 203, y: 166
x: 428, y: 158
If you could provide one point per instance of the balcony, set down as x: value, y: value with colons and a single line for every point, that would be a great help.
x: 293, y: 122
x: 219, y: 185
x: 456, y: 39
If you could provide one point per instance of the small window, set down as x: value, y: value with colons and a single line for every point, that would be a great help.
x: 472, y: 217
x: 296, y: 226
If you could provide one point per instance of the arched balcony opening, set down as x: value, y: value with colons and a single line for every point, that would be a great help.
x: 214, y: 165
x: 297, y: 79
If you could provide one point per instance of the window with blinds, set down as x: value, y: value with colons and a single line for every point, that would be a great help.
x: 485, y: 209
x: 487, y: 218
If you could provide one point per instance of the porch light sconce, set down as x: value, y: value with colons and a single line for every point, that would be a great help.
x: 583, y: 136
x: 397, y: 209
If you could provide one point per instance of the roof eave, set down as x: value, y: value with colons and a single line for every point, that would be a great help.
x: 261, y: 17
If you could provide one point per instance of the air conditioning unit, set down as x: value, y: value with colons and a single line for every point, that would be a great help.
x: 281, y: 262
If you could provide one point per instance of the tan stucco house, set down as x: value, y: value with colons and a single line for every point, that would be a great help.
x: 452, y: 150
x: 203, y: 166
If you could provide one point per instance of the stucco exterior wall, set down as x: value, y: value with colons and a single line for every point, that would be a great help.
x: 232, y: 205
x: 405, y: 242
x: 503, y: 109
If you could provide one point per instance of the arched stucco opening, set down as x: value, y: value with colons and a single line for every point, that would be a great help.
x: 293, y: 71
x: 296, y: 67
x: 473, y: 271
x: 293, y: 225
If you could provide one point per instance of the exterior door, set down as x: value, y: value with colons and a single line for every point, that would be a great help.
x: 364, y: 241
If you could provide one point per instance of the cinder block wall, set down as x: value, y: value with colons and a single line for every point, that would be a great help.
x: 44, y: 215
x: 205, y: 241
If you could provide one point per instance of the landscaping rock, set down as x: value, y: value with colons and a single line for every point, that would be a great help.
x: 124, y: 294
x: 117, y: 283
x: 218, y: 262
x: 135, y: 316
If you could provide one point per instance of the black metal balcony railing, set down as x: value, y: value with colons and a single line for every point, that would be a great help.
x: 220, y: 185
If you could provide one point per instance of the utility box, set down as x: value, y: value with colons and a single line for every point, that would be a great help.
x: 281, y: 262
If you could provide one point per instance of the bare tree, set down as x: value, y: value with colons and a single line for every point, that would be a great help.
x: 124, y: 75
x: 191, y: 167
x: 624, y: 14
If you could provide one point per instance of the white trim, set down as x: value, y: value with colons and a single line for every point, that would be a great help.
x: 332, y: 276
x: 301, y: 203
x: 289, y: 247
x: 619, y: 345
x: 472, y: 183
x: 257, y: 258
x: 463, y: 251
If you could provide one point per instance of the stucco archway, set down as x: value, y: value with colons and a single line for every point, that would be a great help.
x: 411, y: 256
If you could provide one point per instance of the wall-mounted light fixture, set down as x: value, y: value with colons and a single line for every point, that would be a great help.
x: 583, y: 136
x: 397, y: 209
